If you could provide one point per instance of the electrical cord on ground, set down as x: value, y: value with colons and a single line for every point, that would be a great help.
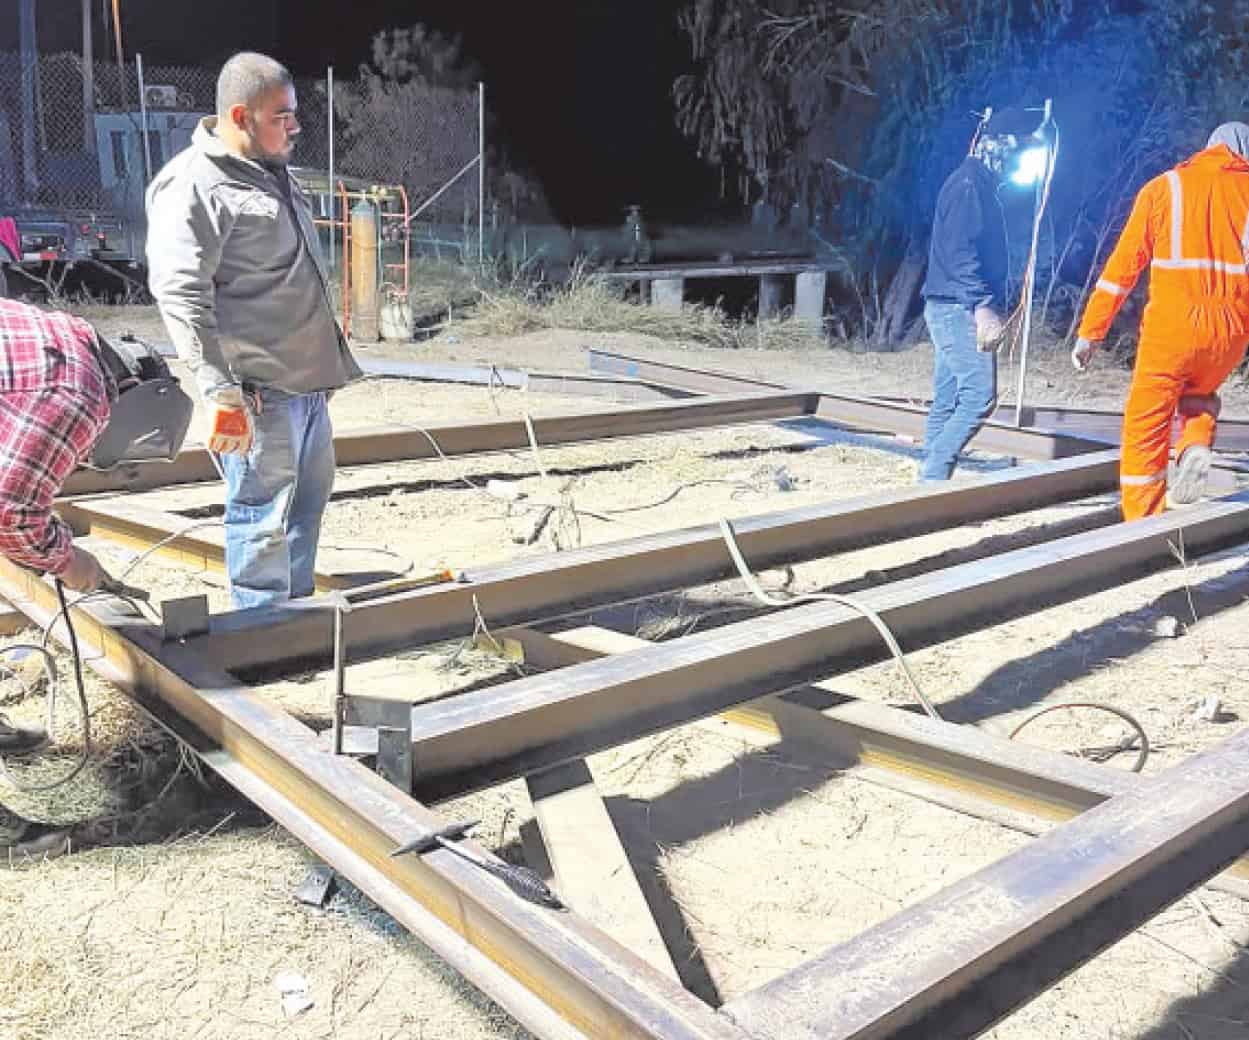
x: 84, y: 717
x: 1098, y: 754
x: 763, y: 596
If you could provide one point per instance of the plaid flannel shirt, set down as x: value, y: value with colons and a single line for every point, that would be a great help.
x: 55, y: 398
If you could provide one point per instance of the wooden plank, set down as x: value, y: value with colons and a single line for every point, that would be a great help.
x: 959, y: 961
x: 557, y: 958
x: 487, y: 735
x: 529, y: 589
x: 404, y: 443
x: 592, y: 872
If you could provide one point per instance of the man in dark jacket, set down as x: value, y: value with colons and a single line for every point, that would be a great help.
x: 965, y: 291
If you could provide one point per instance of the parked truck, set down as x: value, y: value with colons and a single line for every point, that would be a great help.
x: 85, y: 206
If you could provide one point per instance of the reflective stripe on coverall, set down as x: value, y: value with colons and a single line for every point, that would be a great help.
x: 1191, y: 226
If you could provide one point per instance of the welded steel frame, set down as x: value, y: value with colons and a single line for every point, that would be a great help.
x: 562, y: 977
x: 573, y: 980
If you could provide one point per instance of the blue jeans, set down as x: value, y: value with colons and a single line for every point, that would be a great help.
x: 275, y: 495
x: 964, y: 387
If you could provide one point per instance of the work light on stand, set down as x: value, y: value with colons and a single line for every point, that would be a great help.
x: 1034, y: 167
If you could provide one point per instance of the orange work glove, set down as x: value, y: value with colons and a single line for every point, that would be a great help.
x: 230, y: 428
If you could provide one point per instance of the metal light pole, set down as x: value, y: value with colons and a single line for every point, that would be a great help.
x: 1029, y: 285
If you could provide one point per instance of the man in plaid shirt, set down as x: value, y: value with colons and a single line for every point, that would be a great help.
x: 56, y: 393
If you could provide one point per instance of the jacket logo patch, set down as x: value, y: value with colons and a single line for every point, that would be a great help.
x: 260, y: 205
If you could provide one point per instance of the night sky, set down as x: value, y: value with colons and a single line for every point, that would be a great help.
x: 580, y: 88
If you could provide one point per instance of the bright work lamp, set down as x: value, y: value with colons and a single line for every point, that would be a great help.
x: 1031, y: 166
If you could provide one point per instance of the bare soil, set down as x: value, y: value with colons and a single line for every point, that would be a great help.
x: 756, y: 857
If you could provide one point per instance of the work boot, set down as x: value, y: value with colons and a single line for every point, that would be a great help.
x: 24, y: 841
x: 20, y: 740
x: 1189, y: 483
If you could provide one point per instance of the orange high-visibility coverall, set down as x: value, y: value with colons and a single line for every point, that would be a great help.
x: 1191, y: 226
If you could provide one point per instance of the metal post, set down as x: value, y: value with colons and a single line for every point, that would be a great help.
x: 481, y: 173
x: 88, y: 81
x: 30, y: 70
x: 147, y: 147
x: 329, y: 94
x: 340, y: 676
x: 1038, y: 205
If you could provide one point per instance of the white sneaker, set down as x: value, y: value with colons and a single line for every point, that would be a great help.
x: 1188, y: 485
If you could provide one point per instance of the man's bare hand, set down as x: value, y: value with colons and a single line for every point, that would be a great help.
x: 84, y: 573
x: 990, y: 329
x: 1082, y: 354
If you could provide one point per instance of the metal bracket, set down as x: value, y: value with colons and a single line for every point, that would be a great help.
x: 317, y: 887
x: 184, y: 617
x: 393, y: 722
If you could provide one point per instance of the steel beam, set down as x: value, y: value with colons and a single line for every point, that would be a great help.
x: 866, y: 413
x: 567, y: 384
x: 527, y: 590
x: 1104, y: 424
x: 488, y: 735
x: 961, y: 767
x: 552, y: 969
x: 144, y: 529
x: 703, y: 381
x: 960, y: 961
x: 410, y: 443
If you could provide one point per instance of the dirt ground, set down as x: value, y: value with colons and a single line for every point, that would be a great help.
x: 178, y: 922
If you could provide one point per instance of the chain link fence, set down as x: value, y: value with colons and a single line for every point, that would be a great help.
x: 424, y: 138
x: 73, y: 141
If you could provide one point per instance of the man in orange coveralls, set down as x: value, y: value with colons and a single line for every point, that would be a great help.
x: 1191, y: 226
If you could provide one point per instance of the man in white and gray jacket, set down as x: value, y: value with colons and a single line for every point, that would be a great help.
x: 237, y: 272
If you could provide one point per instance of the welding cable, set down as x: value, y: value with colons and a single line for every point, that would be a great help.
x: 763, y: 596
x: 1142, y: 752
x: 84, y: 717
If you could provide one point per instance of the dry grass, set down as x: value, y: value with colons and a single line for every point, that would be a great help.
x: 587, y: 303
x: 185, y: 939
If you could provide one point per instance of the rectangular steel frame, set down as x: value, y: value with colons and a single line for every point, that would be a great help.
x: 558, y: 974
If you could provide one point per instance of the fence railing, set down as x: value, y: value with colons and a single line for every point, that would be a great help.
x: 91, y: 137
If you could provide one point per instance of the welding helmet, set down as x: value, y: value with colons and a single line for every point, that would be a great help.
x: 1009, y: 142
x: 150, y: 418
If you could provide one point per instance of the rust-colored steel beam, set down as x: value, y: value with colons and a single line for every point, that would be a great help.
x: 961, y: 767
x: 546, y: 586
x: 866, y: 413
x: 485, y: 736
x: 963, y: 959
x: 404, y: 443
x: 556, y: 972
x: 144, y: 529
